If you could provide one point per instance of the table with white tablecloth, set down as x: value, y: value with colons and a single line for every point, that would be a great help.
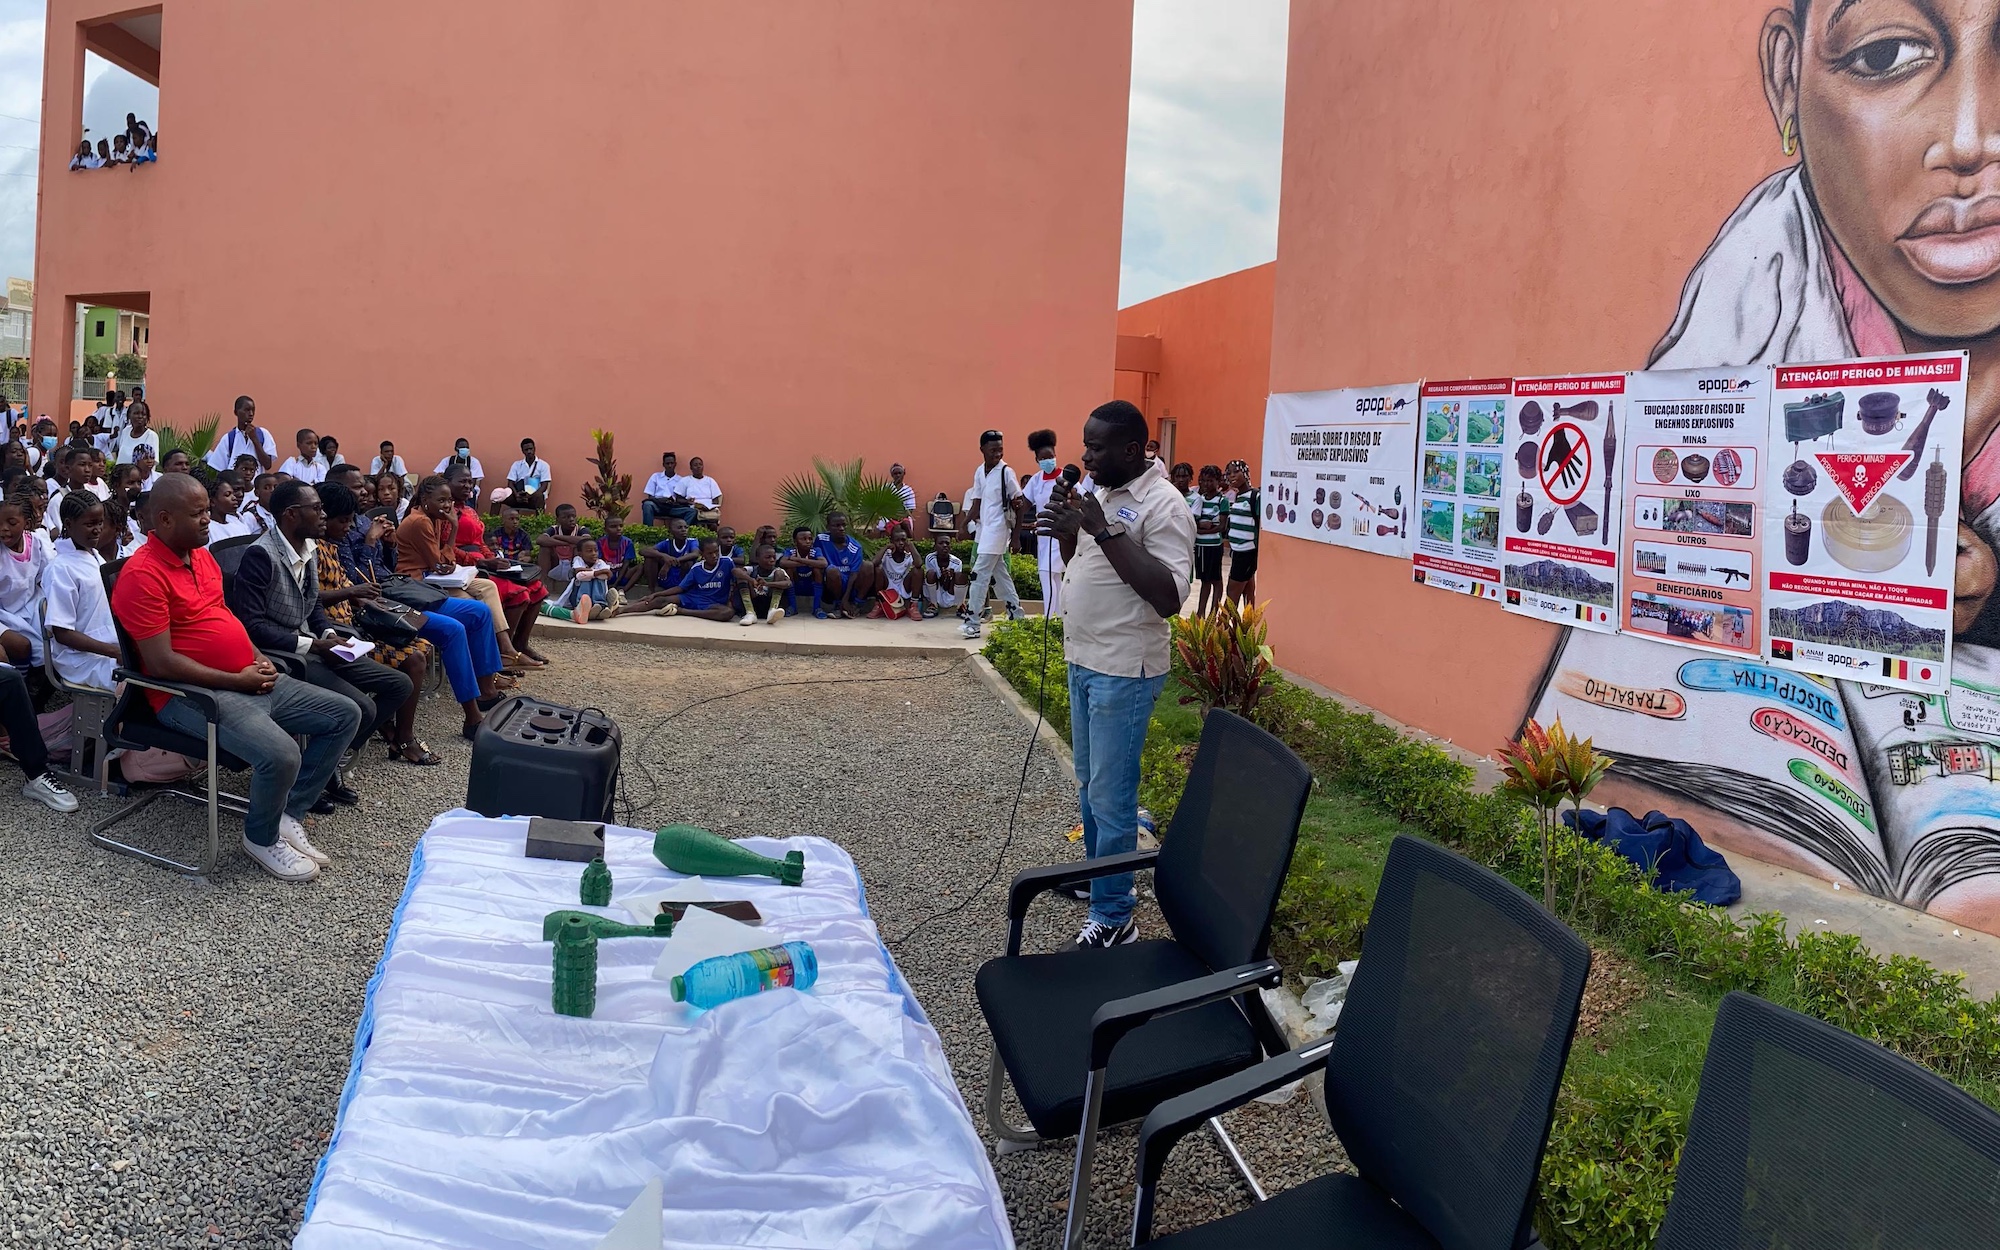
x: 475, y: 1116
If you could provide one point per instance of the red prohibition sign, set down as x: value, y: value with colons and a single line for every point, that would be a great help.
x: 1564, y: 460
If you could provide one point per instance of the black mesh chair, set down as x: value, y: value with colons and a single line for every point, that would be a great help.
x: 1805, y: 1135
x: 1441, y: 1079
x: 90, y: 753
x: 1101, y: 1036
x: 228, y: 558
x: 132, y: 726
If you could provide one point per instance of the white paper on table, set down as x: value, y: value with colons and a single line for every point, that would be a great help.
x: 354, y: 649
x: 704, y: 934
x: 644, y: 907
x: 640, y: 1227
x: 458, y: 579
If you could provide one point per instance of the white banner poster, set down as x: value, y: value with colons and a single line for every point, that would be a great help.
x: 1460, y: 444
x: 1862, y: 542
x: 1694, y: 491
x: 1560, y: 500
x: 1340, y: 466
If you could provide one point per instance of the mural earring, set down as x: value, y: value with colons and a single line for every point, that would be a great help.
x: 1791, y: 136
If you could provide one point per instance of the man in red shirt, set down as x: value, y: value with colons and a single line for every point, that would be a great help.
x: 169, y: 598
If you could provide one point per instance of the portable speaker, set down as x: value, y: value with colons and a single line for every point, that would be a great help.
x: 532, y: 758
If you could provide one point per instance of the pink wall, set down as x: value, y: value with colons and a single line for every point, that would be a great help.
x: 749, y: 232
x: 1527, y: 200
x: 1215, y: 364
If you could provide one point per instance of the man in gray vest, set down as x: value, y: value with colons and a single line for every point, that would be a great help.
x: 276, y: 595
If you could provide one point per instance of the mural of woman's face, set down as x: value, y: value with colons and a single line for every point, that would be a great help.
x: 1896, y: 105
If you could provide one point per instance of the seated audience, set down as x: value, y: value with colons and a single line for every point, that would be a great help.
x: 469, y: 539
x: 556, y: 546
x: 85, y: 644
x: 22, y: 560
x: 424, y: 546
x: 671, y: 557
x: 306, y: 464
x: 329, y: 451
x: 258, y: 509
x: 898, y: 578
x: 461, y: 629
x: 175, y: 461
x: 589, y: 583
x: 511, y: 540
x: 386, y: 461
x: 461, y: 457
x: 664, y: 497
x: 704, y: 590
x: 944, y: 574
x: 702, y: 493
x: 275, y: 593
x: 226, y: 518
x: 337, y: 597
x: 848, y: 576
x: 246, y: 469
x: 349, y: 475
x: 806, y: 569
x: 619, y: 552
x: 896, y: 475
x: 72, y: 474
x: 528, y: 480
x: 390, y: 493
x: 762, y: 586
x: 32, y: 494
x: 169, y: 598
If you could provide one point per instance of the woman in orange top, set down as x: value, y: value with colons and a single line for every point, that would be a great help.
x: 422, y: 548
x: 470, y: 543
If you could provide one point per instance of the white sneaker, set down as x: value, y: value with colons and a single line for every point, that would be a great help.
x: 293, y: 834
x: 746, y: 620
x: 281, y: 861
x: 969, y: 629
x: 777, y: 614
x: 50, y: 794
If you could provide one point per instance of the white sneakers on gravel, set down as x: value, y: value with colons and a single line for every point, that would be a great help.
x: 50, y: 794
x: 281, y: 861
x: 293, y: 834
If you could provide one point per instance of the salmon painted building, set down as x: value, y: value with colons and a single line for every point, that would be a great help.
x: 754, y: 233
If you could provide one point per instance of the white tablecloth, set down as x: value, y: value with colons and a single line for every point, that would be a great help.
x: 476, y: 1117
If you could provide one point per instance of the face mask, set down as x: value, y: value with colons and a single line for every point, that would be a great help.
x: 48, y: 442
x: 465, y: 453
x: 1048, y: 464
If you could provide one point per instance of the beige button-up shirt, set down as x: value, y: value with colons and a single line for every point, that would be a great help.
x: 1107, y: 627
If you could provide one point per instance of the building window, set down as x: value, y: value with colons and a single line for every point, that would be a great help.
x: 100, y: 329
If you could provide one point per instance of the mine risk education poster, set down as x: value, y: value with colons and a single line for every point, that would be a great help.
x: 1460, y: 444
x: 1559, y: 500
x: 1861, y: 544
x: 1694, y: 482
x: 1340, y: 466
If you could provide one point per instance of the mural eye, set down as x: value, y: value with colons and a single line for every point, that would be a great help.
x: 1886, y: 57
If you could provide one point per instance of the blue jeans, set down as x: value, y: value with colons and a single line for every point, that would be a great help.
x: 259, y: 729
x: 1107, y: 729
x: 462, y: 632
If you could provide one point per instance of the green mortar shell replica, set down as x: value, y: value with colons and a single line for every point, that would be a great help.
x: 573, y: 988
x: 596, y: 888
x: 699, y: 853
x: 603, y: 927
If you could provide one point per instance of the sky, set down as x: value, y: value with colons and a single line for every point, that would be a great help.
x: 1202, y: 156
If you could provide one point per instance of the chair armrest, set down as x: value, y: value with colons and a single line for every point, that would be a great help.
x: 1120, y: 1016
x: 201, y: 697
x: 1173, y: 1119
x: 1032, y: 881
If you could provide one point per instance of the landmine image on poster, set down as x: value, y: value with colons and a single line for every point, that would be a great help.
x: 1460, y: 447
x: 1693, y: 481
x: 1860, y: 545
x: 1340, y: 466
x: 1560, y: 500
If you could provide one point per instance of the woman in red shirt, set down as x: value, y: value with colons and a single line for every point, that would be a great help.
x: 471, y: 544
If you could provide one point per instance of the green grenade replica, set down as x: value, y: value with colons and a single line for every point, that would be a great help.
x: 699, y: 853
x: 596, y: 889
x: 573, y: 989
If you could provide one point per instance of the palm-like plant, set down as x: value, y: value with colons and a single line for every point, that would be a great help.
x: 197, y: 441
x: 607, y: 495
x: 1545, y: 767
x: 1228, y: 660
x: 809, y: 498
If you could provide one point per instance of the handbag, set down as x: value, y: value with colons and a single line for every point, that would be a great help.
x: 411, y: 593
x: 391, y: 624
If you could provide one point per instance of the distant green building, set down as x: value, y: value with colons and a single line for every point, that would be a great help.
x: 114, y: 331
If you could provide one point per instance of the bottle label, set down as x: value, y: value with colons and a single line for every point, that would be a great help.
x: 774, y: 965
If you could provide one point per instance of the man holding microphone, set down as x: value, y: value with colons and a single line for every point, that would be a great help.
x: 1127, y: 549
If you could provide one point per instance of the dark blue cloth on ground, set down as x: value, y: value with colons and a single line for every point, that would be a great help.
x: 1667, y: 847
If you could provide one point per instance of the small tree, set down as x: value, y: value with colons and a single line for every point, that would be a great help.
x: 809, y: 498
x: 130, y: 367
x: 607, y: 495
x: 96, y: 365
x: 1545, y: 767
x: 1228, y: 661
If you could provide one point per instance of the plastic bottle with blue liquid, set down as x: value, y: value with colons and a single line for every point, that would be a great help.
x: 724, y: 978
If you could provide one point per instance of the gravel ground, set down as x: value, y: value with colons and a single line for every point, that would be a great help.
x: 171, y: 1051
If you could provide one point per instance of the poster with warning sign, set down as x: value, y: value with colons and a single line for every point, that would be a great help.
x: 1561, y: 498
x: 1861, y: 541
x: 1459, y: 448
x: 1694, y: 479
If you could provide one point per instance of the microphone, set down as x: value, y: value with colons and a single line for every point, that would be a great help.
x: 1071, y: 475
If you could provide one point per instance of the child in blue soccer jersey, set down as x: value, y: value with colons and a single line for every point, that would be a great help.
x: 848, y: 577
x: 705, y: 590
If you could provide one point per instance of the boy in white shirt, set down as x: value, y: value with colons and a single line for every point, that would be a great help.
x: 996, y: 500
x: 528, y: 480
x: 461, y: 454
x: 307, y: 465
x: 664, y: 498
x: 944, y: 573
x: 703, y: 493
x: 387, y: 461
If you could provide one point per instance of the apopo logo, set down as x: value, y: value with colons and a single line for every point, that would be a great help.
x: 1379, y: 403
x: 1728, y: 386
